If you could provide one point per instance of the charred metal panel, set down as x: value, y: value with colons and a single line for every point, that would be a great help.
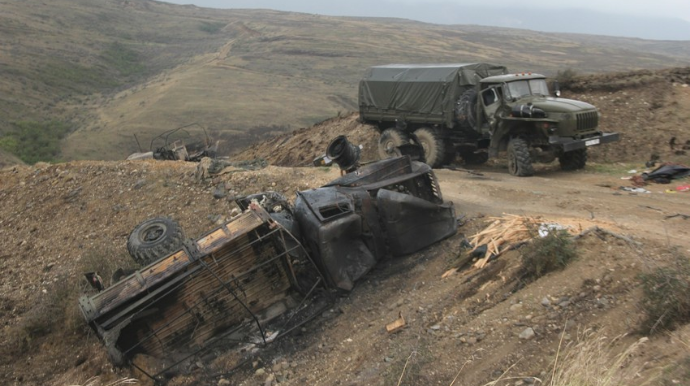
x: 414, y: 223
x: 333, y: 232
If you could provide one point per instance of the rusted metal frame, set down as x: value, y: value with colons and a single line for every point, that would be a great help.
x: 222, y: 337
x: 225, y: 286
x: 306, y: 253
x: 201, y: 349
x: 153, y: 334
x: 282, y: 334
x: 175, y: 281
x: 299, y: 306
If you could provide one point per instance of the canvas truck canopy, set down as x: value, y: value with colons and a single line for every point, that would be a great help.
x: 419, y: 90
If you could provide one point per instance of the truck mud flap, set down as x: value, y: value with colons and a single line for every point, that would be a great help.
x: 412, y: 223
x: 569, y: 144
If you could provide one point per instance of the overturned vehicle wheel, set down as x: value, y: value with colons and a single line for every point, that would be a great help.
x: 153, y: 239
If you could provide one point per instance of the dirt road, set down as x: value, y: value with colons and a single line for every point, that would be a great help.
x: 577, y: 198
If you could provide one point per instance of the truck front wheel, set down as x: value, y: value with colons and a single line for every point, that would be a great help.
x: 153, y: 239
x: 573, y: 160
x: 434, y: 146
x: 391, y: 139
x: 519, y: 161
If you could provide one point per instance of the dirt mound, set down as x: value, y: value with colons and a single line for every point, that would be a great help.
x: 649, y: 108
x: 300, y: 147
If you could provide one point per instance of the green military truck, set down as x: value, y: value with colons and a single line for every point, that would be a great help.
x: 477, y: 110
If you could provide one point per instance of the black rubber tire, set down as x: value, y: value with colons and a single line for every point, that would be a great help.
x: 434, y: 146
x: 153, y: 239
x: 519, y: 161
x: 467, y: 108
x: 475, y: 158
x: 573, y: 160
x: 389, y: 140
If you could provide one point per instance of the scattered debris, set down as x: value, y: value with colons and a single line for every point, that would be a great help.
x: 503, y: 234
x: 634, y: 190
x: 180, y: 144
x: 545, y: 229
x: 397, y: 325
x: 667, y: 172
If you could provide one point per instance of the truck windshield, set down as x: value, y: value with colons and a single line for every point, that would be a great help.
x: 522, y: 88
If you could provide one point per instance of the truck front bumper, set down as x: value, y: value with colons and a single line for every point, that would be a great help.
x: 570, y: 144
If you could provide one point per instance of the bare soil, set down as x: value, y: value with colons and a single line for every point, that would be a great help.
x: 56, y: 220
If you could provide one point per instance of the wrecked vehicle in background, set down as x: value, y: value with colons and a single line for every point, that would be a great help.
x: 265, y: 272
x: 186, y: 143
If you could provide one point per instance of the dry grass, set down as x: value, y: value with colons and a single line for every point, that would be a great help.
x: 596, y: 360
x: 95, y: 381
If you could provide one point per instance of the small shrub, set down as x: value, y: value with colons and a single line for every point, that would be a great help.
x: 547, y: 254
x: 665, y: 299
x: 211, y: 28
x: 35, y: 141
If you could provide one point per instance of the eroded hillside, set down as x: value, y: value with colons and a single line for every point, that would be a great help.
x: 475, y: 326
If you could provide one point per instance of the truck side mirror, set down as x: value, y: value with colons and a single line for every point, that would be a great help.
x: 556, y: 88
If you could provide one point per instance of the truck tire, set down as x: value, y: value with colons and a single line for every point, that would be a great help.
x: 467, y: 108
x: 472, y: 158
x: 434, y: 146
x: 153, y: 239
x: 519, y: 161
x: 573, y: 160
x: 389, y: 140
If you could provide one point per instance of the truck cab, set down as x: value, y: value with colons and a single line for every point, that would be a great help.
x: 519, y: 109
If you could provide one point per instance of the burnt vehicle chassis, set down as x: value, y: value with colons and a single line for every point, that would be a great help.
x: 268, y: 270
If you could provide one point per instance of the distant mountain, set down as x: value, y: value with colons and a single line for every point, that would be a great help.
x: 95, y: 73
x: 552, y: 19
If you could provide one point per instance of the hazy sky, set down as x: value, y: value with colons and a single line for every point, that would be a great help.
x: 651, y: 19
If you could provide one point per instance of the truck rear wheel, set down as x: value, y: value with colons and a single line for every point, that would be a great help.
x: 573, y: 160
x: 519, y: 161
x: 434, y: 146
x: 153, y: 239
x: 389, y: 140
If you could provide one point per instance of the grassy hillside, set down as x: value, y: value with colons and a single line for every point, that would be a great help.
x: 112, y: 69
x: 62, y: 56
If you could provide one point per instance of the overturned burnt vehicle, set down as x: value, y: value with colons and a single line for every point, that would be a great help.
x: 185, y: 143
x: 267, y: 271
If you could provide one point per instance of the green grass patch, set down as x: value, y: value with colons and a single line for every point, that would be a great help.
x: 35, y: 141
x: 123, y: 59
x: 211, y: 28
x: 547, y: 254
x: 614, y: 169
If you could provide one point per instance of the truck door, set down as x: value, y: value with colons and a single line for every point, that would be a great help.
x: 491, y: 101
